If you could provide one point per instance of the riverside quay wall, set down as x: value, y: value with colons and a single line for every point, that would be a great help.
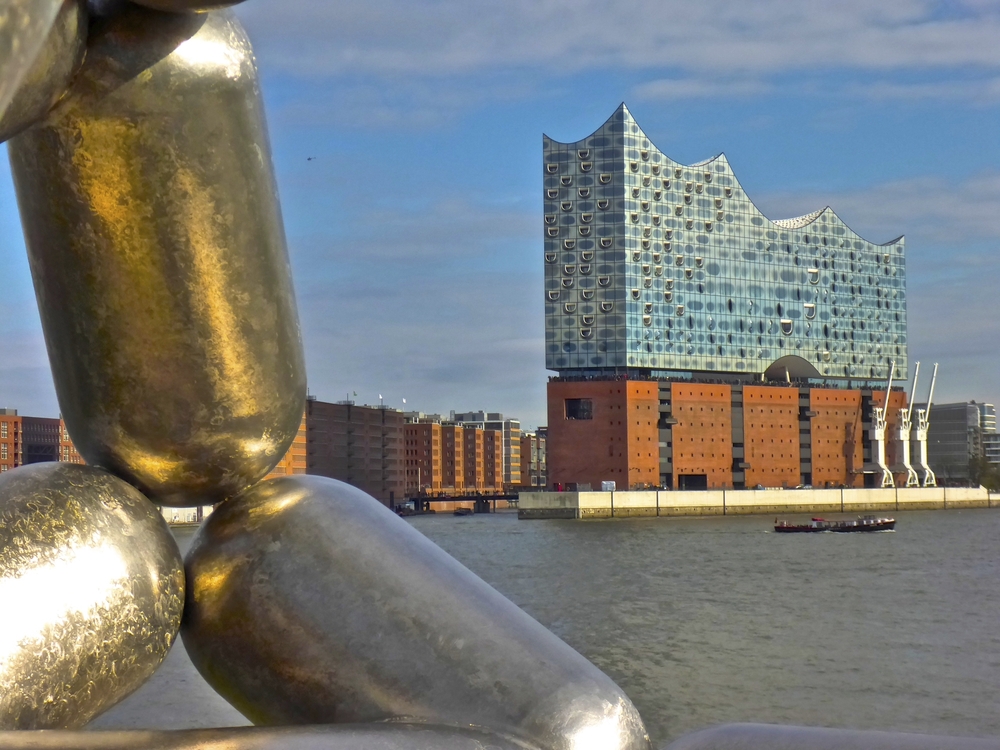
x: 540, y: 505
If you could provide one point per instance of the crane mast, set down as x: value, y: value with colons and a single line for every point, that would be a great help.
x: 902, y: 435
x: 877, y: 434
x: 928, y: 479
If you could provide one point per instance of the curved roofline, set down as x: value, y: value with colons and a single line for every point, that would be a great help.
x: 797, y: 222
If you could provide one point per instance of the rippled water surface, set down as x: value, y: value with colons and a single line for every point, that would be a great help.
x: 704, y: 621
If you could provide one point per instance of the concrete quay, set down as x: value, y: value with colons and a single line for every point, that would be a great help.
x: 540, y: 505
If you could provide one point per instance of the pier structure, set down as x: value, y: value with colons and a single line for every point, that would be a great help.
x: 665, y: 503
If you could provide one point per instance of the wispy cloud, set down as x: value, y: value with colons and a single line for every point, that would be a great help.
x: 934, y: 212
x: 979, y: 91
x: 975, y: 90
x: 701, y: 88
x: 402, y: 37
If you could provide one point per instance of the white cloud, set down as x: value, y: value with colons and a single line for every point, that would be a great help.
x: 979, y: 91
x: 701, y: 88
x: 933, y: 212
x: 446, y: 37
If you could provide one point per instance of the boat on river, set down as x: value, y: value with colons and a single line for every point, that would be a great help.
x: 820, y: 525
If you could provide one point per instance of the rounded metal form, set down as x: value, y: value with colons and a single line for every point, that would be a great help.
x: 310, y: 602
x: 358, y: 737
x: 158, y: 255
x: 24, y: 26
x: 182, y: 6
x: 49, y: 76
x: 92, y: 591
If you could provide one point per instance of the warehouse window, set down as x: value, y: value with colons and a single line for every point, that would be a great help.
x: 579, y: 408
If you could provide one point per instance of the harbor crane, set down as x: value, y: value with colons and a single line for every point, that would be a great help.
x: 877, y: 434
x: 902, y: 437
x: 922, y: 426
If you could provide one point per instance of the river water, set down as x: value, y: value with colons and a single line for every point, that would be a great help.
x: 712, y: 620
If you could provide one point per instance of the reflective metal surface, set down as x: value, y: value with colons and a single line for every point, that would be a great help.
x: 91, y: 594
x: 47, y: 79
x: 772, y: 737
x: 24, y: 25
x: 310, y: 602
x: 178, y: 6
x: 367, y: 737
x: 158, y: 256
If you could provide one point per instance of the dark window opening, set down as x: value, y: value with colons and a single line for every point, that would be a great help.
x: 579, y: 408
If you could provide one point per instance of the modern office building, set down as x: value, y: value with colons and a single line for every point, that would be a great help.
x: 988, y: 433
x: 959, y: 434
x: 991, y: 448
x: 987, y: 418
x: 698, y: 343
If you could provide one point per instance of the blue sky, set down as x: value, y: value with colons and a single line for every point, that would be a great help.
x: 415, y: 230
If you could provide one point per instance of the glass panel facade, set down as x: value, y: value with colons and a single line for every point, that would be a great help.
x: 684, y: 273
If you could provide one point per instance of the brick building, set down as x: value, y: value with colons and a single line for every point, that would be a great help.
x: 295, y: 460
x: 443, y: 457
x: 686, y: 435
x: 511, y: 431
x: 360, y: 445
x: 30, y: 440
x: 493, y: 460
x: 423, y: 458
x: 533, y: 459
x: 473, y: 458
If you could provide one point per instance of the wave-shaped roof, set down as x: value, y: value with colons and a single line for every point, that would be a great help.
x: 625, y: 116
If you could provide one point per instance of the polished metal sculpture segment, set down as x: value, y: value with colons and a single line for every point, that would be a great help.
x: 182, y: 6
x: 357, y: 737
x: 310, y: 602
x: 91, y: 590
x: 24, y: 25
x: 49, y: 76
x: 158, y: 255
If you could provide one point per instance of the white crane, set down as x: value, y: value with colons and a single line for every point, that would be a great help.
x: 902, y: 437
x: 922, y: 426
x: 877, y: 434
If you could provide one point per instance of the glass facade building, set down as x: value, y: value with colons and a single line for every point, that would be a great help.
x: 655, y: 266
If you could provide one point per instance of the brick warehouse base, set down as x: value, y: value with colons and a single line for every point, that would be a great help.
x: 584, y: 505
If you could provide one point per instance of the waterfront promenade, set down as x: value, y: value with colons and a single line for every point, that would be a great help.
x: 540, y: 505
